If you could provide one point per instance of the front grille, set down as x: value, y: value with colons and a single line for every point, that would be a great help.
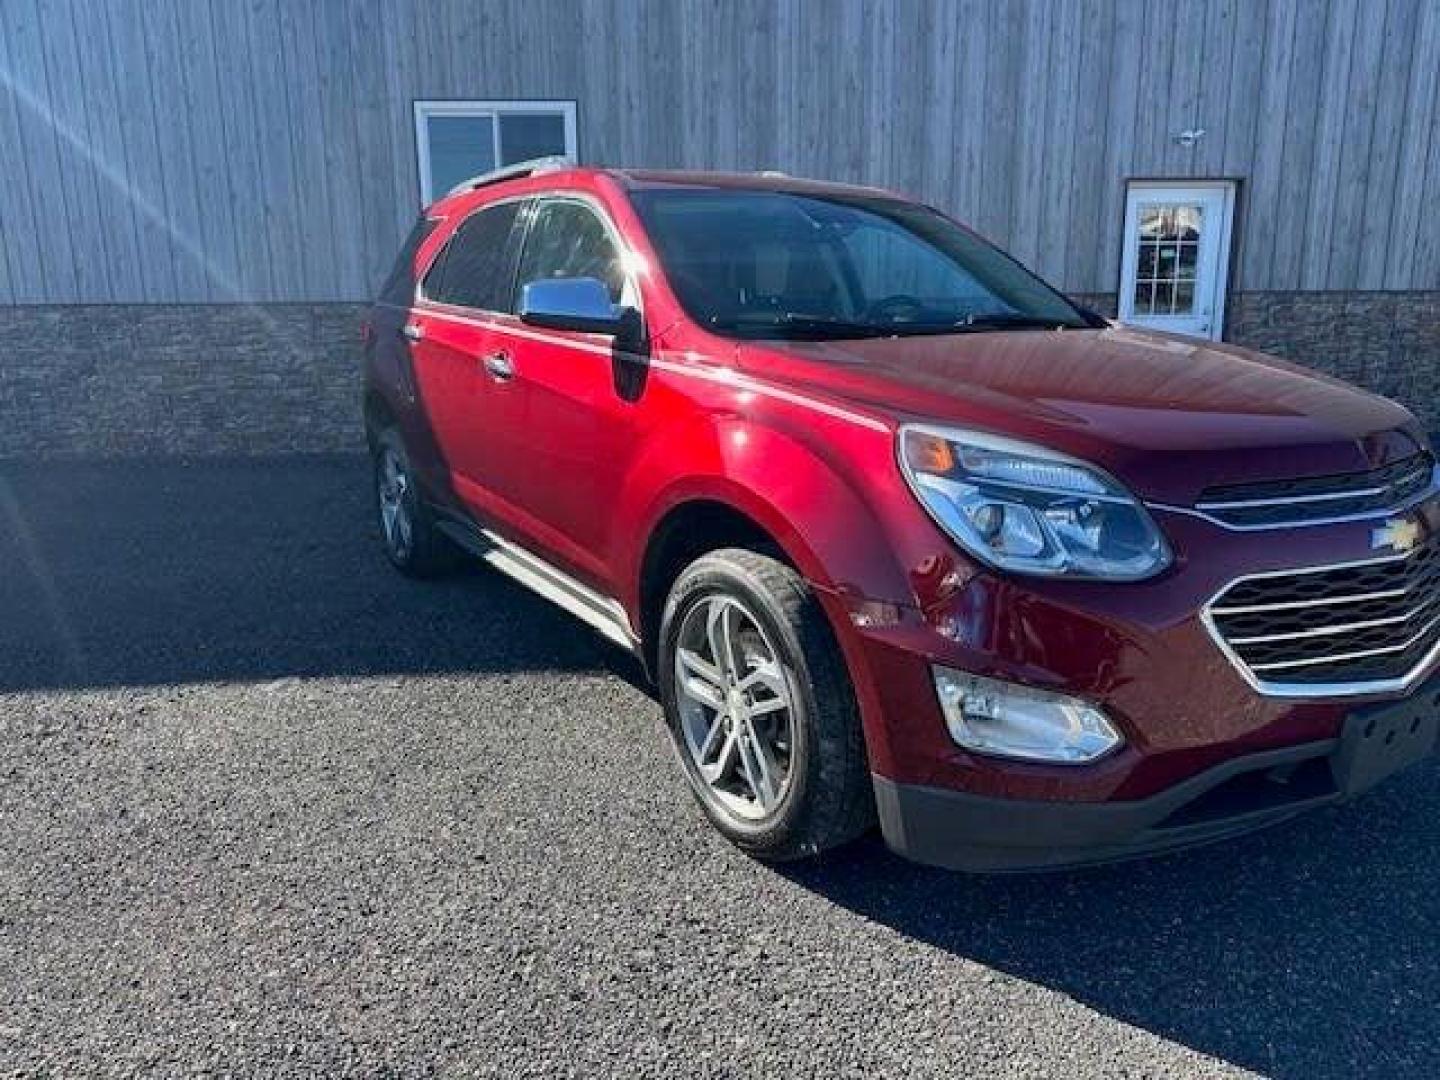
x: 1280, y: 502
x: 1361, y: 623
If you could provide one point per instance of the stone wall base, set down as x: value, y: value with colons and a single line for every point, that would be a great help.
x: 194, y: 379
x: 128, y: 380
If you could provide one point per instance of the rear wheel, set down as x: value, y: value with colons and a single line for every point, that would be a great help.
x: 760, y: 707
x: 407, y: 528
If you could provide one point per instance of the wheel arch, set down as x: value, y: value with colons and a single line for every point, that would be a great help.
x: 813, y: 506
x: 688, y: 529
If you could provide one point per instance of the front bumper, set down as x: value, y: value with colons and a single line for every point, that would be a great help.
x: 967, y: 831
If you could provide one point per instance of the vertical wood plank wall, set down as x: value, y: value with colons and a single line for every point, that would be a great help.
x: 173, y: 151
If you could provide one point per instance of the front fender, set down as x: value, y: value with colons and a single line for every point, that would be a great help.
x: 817, y: 508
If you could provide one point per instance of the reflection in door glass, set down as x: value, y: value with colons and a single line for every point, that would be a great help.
x: 1168, y: 253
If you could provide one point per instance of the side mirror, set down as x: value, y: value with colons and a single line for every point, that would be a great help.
x: 581, y: 304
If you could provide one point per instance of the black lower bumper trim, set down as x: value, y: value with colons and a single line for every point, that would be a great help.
x: 963, y: 831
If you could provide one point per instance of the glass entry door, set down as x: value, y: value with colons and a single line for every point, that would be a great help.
x: 1177, y: 250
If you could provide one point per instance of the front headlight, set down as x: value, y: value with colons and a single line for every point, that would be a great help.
x: 1030, y: 510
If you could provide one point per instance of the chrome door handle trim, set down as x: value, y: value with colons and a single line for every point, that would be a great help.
x: 413, y: 331
x: 500, y: 366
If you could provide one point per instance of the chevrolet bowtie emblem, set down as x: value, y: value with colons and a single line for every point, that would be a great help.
x: 1401, y: 534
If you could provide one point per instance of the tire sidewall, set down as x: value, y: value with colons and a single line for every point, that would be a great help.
x: 708, y: 577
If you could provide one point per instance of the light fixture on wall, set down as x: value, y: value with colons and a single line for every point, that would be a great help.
x: 1189, y: 138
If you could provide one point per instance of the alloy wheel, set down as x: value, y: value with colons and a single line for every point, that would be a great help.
x: 737, y: 708
x: 394, y: 488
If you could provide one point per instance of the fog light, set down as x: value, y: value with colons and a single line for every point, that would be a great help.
x: 1013, y: 721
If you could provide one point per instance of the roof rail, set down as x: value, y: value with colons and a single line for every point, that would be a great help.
x: 533, y: 167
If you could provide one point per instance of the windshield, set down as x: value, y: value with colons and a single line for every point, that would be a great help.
x: 779, y: 264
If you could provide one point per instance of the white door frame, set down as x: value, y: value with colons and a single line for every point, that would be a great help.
x: 1213, y: 261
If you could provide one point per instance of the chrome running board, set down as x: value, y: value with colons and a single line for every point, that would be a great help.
x: 602, y: 613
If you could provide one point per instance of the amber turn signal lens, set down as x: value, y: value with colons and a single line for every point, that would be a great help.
x: 928, y: 453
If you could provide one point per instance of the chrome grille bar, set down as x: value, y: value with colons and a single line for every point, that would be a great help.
x: 1288, y: 633
x: 1386, y: 489
x: 1358, y: 654
x: 1327, y: 631
x: 1294, y: 605
x: 1292, y: 500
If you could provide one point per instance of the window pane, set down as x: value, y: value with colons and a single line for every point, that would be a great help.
x: 1187, y: 222
x: 1148, y: 253
x: 1189, y: 252
x: 531, y: 135
x: 476, y: 263
x: 568, y: 240
x: 460, y: 147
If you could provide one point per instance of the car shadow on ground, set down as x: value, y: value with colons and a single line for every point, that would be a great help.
x: 1309, y: 950
x: 145, y: 573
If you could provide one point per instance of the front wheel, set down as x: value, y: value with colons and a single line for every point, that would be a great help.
x: 761, y: 709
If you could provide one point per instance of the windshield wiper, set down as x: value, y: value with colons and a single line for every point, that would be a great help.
x: 1000, y: 320
x: 795, y: 322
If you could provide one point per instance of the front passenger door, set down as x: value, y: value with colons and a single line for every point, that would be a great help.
x: 581, y: 429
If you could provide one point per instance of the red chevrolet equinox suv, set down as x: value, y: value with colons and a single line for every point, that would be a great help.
x: 899, y: 531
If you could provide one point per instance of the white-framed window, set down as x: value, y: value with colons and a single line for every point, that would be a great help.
x: 456, y: 140
x: 1177, y: 255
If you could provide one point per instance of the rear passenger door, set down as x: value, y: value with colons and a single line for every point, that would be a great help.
x: 467, y: 287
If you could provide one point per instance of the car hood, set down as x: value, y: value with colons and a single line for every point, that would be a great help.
x: 1168, y: 415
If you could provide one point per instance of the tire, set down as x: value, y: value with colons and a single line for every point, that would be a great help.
x: 814, y: 791
x: 411, y: 541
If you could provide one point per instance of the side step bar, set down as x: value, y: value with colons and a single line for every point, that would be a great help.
x: 603, y: 613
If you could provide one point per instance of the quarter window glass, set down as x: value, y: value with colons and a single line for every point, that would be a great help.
x: 476, y: 264
x: 568, y: 240
x: 399, y: 288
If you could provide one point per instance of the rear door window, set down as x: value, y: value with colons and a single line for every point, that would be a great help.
x: 567, y: 239
x: 476, y: 268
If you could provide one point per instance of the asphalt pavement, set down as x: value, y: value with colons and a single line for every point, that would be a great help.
x: 268, y: 808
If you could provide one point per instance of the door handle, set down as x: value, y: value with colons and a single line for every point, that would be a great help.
x: 500, y: 367
x: 413, y: 331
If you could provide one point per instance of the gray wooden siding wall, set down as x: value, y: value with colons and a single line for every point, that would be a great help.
x: 226, y: 150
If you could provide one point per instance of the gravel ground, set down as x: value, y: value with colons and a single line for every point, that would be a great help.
x: 265, y: 807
